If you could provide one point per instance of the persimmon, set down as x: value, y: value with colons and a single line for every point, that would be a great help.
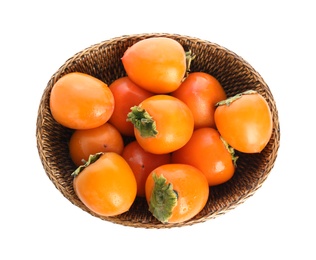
x: 176, y: 192
x: 208, y: 152
x: 142, y: 163
x: 81, y: 101
x: 162, y: 124
x: 83, y: 143
x: 245, y: 121
x: 201, y: 91
x: 105, y: 184
x: 126, y: 94
x: 157, y: 64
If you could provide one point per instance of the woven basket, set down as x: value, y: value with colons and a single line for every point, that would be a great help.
x: 103, y: 60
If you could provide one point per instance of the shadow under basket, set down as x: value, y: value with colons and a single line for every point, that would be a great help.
x: 103, y: 61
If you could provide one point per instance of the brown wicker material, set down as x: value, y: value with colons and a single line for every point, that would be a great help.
x: 103, y: 61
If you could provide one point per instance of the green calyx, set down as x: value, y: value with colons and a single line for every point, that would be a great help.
x: 142, y: 121
x: 189, y: 58
x: 163, y: 199
x: 92, y: 158
x: 230, y: 100
x: 231, y: 150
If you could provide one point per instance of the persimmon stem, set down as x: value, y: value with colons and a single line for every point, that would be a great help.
x: 142, y: 121
x: 92, y: 158
x: 230, y: 100
x: 163, y: 199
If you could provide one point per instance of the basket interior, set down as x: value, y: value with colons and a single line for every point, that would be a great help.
x: 103, y: 61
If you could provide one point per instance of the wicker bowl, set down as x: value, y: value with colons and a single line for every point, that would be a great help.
x: 103, y: 60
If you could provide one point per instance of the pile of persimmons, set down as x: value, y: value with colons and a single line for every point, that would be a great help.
x: 182, y: 129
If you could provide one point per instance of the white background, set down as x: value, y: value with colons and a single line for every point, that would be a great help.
x: 277, y: 38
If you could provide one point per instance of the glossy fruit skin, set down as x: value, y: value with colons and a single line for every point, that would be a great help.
x: 174, y: 123
x: 126, y: 94
x: 201, y: 91
x: 108, y: 186
x: 157, y: 64
x: 142, y: 163
x: 246, y: 123
x: 83, y: 143
x: 81, y: 101
x: 190, y: 185
x: 207, y: 152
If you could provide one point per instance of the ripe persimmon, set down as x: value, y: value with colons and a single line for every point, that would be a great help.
x: 162, y: 124
x: 176, y: 192
x: 126, y: 94
x: 81, y: 101
x: 201, y: 91
x: 245, y: 121
x: 83, y: 143
x: 142, y: 163
x: 105, y: 184
x: 157, y: 64
x: 208, y: 152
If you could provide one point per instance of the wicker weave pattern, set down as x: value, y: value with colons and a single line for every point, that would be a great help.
x: 103, y: 61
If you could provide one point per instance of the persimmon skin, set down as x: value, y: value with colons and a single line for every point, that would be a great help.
x: 107, y: 187
x: 201, y: 91
x: 246, y: 123
x: 83, y: 143
x: 157, y: 64
x: 81, y: 101
x: 207, y: 152
x: 143, y: 163
x: 190, y: 185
